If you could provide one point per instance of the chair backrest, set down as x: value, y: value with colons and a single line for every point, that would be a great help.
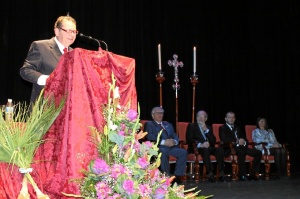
x: 215, y: 128
x: 248, y: 131
x: 143, y: 124
x: 182, y: 130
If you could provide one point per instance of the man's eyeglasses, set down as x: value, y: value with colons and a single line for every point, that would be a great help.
x: 75, y: 32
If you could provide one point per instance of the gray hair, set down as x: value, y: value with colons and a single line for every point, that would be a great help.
x: 157, y: 109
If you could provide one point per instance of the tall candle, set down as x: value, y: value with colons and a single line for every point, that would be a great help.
x: 194, y: 56
x: 159, y: 57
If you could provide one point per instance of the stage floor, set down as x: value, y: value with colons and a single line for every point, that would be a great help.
x: 273, y: 189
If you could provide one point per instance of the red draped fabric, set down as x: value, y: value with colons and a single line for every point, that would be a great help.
x: 84, y: 76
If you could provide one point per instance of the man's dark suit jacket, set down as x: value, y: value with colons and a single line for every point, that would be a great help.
x: 152, y: 128
x: 228, y: 136
x: 41, y: 59
x: 193, y: 134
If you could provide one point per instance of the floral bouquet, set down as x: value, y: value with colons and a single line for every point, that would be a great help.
x: 125, y: 167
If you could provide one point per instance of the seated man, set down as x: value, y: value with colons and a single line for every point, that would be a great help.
x: 203, y: 135
x: 168, y: 143
x: 230, y: 133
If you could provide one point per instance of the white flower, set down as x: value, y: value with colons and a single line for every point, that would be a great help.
x: 116, y: 93
x: 112, y: 126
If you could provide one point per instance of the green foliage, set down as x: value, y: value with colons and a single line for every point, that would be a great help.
x: 20, y: 138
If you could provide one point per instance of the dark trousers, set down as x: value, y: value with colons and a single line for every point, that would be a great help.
x: 181, y: 156
x: 280, y: 160
x: 218, y: 153
x: 241, y: 152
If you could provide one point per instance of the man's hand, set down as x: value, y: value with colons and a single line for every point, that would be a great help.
x: 170, y: 142
x: 242, y: 142
x: 204, y: 145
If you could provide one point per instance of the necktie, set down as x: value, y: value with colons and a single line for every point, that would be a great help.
x: 203, y: 134
x: 163, y: 128
x: 65, y: 50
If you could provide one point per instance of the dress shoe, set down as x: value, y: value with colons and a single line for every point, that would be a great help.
x: 243, y: 178
x: 221, y: 179
x: 212, y: 179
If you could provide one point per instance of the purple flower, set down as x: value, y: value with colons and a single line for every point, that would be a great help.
x: 100, y: 166
x: 132, y: 114
x: 160, y: 193
x: 143, y: 162
x: 128, y: 186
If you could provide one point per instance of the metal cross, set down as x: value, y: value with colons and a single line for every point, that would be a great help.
x: 175, y: 63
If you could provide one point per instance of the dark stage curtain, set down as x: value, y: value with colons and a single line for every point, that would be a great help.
x: 248, y: 54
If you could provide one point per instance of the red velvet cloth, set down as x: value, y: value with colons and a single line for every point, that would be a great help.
x: 84, y: 76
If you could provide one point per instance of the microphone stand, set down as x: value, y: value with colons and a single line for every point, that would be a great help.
x: 97, y: 40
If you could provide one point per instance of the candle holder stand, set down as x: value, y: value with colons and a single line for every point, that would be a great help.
x: 160, y: 79
x: 194, y: 81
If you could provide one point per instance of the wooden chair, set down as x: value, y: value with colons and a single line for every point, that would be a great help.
x: 266, y: 159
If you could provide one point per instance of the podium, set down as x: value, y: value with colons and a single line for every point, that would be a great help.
x: 84, y: 77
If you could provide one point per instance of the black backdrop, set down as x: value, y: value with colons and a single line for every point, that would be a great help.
x: 247, y: 53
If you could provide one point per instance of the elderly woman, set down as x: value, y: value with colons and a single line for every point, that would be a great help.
x: 262, y: 134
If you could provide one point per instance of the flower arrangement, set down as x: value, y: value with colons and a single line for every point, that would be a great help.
x: 20, y: 138
x: 124, y: 167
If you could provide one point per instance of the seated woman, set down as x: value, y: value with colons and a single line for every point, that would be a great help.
x: 262, y: 134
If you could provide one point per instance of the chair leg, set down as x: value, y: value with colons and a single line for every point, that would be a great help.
x: 197, y: 173
x: 288, y: 167
x: 204, y: 173
x: 267, y: 170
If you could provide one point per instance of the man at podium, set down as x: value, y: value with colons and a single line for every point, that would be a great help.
x: 43, y: 55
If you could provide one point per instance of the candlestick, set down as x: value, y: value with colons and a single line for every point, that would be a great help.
x: 159, y: 58
x: 194, y: 56
x: 160, y: 78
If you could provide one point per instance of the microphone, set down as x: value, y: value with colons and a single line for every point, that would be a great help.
x: 97, y: 40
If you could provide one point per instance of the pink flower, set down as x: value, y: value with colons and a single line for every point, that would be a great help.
x: 137, y: 146
x: 122, y: 133
x: 103, y: 190
x: 123, y: 126
x: 132, y: 114
x: 100, y: 166
x: 142, y: 162
x: 116, y: 170
x: 148, y: 143
x: 145, y: 190
x: 128, y: 186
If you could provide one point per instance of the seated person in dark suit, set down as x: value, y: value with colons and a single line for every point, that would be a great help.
x: 230, y: 133
x: 202, y: 134
x: 168, y: 143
